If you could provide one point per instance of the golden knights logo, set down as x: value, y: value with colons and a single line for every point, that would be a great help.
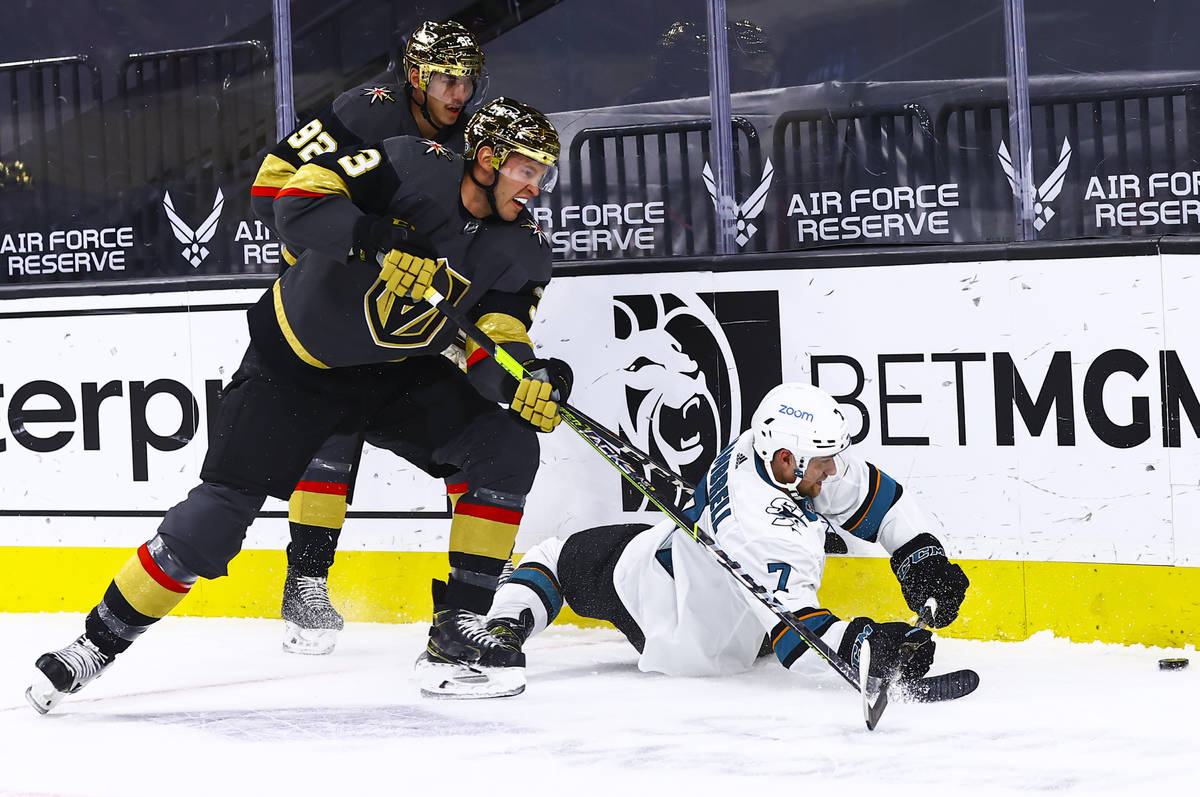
x: 405, y: 324
x: 379, y: 94
x: 536, y: 230
x: 438, y: 150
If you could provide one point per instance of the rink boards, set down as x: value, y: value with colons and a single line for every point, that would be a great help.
x: 1043, y: 410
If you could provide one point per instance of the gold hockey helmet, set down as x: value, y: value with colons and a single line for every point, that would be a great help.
x: 445, y: 47
x: 508, y: 127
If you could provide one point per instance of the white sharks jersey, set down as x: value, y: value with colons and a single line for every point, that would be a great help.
x: 696, y: 618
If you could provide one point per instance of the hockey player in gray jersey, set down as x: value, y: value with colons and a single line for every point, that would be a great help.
x: 768, y: 500
x: 341, y: 343
x: 445, y: 81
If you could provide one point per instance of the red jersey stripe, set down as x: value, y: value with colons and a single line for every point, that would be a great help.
x: 495, y: 513
x: 302, y: 192
x: 155, y: 572
x: 326, y: 488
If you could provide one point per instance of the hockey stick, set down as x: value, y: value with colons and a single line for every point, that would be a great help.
x: 870, y: 711
x: 615, y: 451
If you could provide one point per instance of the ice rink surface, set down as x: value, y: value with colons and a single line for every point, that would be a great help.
x: 215, y: 707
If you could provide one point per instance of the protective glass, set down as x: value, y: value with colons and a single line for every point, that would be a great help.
x: 528, y: 171
x: 458, y: 90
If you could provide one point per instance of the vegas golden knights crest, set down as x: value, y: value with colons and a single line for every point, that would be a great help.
x: 403, y: 324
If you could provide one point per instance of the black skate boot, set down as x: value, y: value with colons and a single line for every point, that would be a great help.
x: 512, y: 631
x: 311, y: 624
x: 463, y: 660
x: 65, y: 672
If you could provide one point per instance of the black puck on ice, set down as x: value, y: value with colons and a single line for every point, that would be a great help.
x: 1172, y: 664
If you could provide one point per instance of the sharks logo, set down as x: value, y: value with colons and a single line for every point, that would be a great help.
x: 683, y: 396
x: 1045, y: 193
x: 194, y: 251
x: 748, y: 210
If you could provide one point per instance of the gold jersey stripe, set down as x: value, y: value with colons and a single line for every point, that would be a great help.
x: 481, y: 537
x: 319, y: 180
x: 288, y: 257
x: 286, y: 329
x: 501, y: 328
x: 274, y: 172
x: 142, y: 592
x: 317, y: 509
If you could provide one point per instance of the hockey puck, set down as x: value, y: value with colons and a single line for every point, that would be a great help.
x: 1172, y: 664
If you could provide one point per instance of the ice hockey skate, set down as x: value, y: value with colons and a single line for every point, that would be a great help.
x: 311, y: 624
x: 464, y: 661
x: 512, y: 631
x: 65, y: 672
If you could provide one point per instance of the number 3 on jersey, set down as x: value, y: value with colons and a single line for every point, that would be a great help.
x: 360, y: 162
x: 785, y: 572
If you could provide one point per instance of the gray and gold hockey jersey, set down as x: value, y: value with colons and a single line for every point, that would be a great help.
x: 370, y: 112
x: 332, y: 310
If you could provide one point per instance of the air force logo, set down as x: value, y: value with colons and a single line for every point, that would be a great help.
x: 751, y: 208
x: 1045, y: 193
x: 194, y: 250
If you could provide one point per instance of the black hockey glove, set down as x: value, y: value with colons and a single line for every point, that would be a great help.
x: 924, y: 572
x: 893, y: 645
x: 379, y: 234
x: 554, y: 371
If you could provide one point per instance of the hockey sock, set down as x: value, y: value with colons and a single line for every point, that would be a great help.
x: 145, y: 590
x: 317, y: 512
x: 456, y: 485
x: 532, y: 587
x: 787, y: 643
x: 311, y: 551
x: 481, y: 540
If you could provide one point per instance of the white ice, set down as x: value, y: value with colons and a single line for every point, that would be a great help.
x: 215, y: 707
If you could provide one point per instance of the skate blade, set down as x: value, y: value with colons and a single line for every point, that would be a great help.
x: 308, y: 641
x: 460, y: 682
x: 42, y: 695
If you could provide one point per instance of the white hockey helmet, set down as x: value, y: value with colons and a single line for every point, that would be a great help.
x: 801, y: 418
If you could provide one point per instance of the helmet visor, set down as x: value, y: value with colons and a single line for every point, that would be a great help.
x: 526, y: 170
x: 458, y: 91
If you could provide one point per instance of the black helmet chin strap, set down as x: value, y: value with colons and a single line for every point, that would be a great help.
x: 424, y: 106
x: 489, y: 190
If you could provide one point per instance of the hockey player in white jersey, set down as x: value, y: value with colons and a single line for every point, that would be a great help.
x: 768, y: 499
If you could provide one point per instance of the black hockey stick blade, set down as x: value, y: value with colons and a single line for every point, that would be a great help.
x: 874, y: 690
x: 939, y: 688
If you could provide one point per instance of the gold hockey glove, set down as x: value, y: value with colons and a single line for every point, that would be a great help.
x: 533, y: 403
x: 407, y: 275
